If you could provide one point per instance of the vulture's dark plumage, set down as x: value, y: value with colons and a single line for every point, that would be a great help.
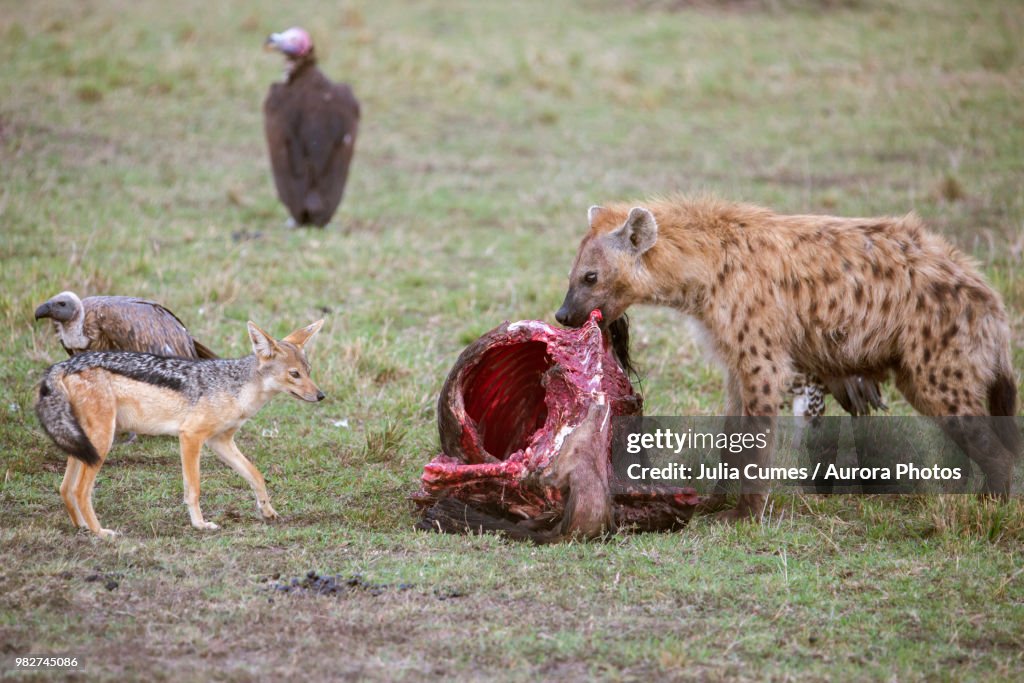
x: 311, y: 125
x: 119, y: 323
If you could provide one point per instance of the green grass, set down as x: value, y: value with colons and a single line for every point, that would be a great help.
x: 132, y: 162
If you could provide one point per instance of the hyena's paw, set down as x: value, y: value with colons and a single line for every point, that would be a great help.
x: 711, y: 503
x: 268, y: 512
x: 205, y: 526
x: 733, y: 516
x: 107, y: 533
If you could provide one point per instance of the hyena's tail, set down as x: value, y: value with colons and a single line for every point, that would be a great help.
x: 1002, y: 403
x: 59, y: 422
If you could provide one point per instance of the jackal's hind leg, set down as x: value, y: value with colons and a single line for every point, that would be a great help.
x: 191, y: 447
x: 96, y: 411
x: 67, y: 488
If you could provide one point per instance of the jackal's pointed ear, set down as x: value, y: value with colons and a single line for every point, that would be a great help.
x: 263, y: 345
x: 302, y: 335
x: 640, y: 231
x: 592, y: 214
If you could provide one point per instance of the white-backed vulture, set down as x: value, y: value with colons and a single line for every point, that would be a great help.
x: 119, y: 323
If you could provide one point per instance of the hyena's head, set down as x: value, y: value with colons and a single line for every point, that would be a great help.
x: 282, y: 363
x: 608, y: 273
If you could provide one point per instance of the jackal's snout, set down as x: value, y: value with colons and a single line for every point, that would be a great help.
x: 312, y: 395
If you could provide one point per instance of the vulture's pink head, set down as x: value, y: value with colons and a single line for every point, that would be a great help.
x: 293, y: 43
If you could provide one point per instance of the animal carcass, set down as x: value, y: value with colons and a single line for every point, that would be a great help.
x: 525, y: 420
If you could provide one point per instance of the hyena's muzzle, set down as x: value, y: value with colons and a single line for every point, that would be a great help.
x: 580, y: 302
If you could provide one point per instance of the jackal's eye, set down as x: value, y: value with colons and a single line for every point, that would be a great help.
x: 294, y: 374
x: 590, y: 278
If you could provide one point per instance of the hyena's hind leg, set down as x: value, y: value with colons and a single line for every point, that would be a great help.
x: 808, y: 406
x: 820, y: 442
x: 95, y: 409
x: 975, y: 436
x: 808, y: 397
x: 965, y: 420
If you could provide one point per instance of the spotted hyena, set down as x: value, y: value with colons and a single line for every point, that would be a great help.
x: 775, y: 295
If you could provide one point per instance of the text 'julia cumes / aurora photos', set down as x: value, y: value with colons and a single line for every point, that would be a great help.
x: 876, y: 454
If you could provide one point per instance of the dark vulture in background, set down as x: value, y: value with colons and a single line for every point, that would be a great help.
x: 119, y: 323
x: 311, y: 126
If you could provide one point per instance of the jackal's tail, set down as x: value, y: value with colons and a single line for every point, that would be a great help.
x: 58, y: 419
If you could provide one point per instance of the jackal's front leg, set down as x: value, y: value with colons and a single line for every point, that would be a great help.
x: 224, y: 446
x: 191, y: 447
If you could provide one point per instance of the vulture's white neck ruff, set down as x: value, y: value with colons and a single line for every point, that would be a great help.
x: 72, y: 334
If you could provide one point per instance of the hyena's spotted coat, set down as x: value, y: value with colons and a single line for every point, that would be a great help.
x: 819, y: 295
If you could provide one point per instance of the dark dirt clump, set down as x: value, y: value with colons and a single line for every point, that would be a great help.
x: 315, y: 584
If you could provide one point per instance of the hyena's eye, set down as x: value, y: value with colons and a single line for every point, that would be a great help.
x: 294, y: 374
x: 590, y: 278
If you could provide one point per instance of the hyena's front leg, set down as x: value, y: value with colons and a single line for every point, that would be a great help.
x: 224, y: 446
x: 191, y: 447
x: 715, y: 501
x: 762, y: 383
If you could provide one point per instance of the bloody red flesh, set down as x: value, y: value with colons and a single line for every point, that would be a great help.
x: 510, y: 405
x: 504, y: 396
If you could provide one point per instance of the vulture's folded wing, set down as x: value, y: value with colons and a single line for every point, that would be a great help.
x: 131, y: 324
x: 281, y: 126
x: 327, y: 134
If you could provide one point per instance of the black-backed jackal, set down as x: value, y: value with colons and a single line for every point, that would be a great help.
x: 86, y: 399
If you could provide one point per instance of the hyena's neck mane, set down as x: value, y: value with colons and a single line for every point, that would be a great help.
x: 697, y: 239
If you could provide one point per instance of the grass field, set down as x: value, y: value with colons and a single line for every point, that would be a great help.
x: 132, y: 161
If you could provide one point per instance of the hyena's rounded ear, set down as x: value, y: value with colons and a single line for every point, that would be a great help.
x: 592, y: 214
x: 302, y: 335
x: 263, y: 345
x: 640, y: 230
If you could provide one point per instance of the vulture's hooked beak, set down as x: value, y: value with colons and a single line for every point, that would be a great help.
x: 270, y: 44
x: 43, y: 311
